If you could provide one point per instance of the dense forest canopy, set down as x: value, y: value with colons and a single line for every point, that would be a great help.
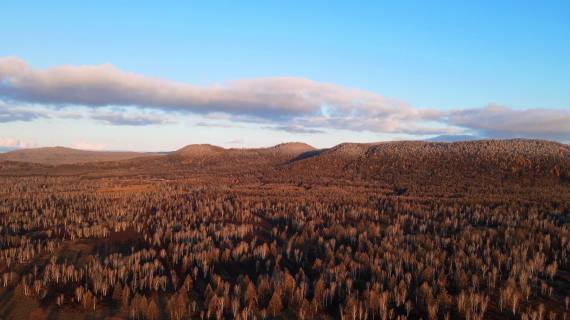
x: 403, y: 230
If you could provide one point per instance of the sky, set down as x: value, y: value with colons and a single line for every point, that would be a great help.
x: 155, y: 76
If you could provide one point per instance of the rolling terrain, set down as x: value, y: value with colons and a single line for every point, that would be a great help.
x: 407, y: 164
x: 390, y: 230
x: 61, y: 155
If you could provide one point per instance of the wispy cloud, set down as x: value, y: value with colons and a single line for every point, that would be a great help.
x: 293, y: 129
x: 10, y: 114
x: 215, y: 125
x: 126, y: 119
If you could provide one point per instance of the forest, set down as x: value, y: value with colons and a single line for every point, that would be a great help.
x: 397, y: 231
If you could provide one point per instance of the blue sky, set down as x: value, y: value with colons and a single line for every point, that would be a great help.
x: 489, y: 68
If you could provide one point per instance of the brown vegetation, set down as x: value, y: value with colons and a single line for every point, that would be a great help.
x: 61, y: 155
x: 404, y: 230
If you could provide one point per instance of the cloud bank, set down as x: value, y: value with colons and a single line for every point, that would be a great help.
x: 270, y: 99
x: 290, y: 104
x: 503, y: 122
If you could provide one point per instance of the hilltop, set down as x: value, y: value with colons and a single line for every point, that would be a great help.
x: 415, y: 164
x: 208, y: 150
x: 198, y: 150
x: 408, y: 164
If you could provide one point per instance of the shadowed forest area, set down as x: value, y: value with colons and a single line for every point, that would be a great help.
x: 402, y: 230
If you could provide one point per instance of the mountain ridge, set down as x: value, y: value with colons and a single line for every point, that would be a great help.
x: 516, y: 161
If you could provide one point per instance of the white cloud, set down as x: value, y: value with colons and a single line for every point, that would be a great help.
x: 7, y: 142
x: 110, y: 95
x: 274, y: 100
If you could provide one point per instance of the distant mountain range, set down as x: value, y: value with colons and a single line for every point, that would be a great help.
x: 414, y: 164
x: 61, y: 155
x: 38, y: 154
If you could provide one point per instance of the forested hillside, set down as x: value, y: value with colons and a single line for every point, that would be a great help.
x: 403, y: 230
